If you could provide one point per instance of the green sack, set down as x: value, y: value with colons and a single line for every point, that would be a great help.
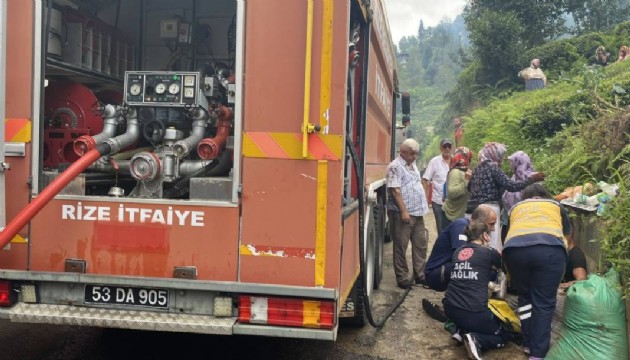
x: 594, y: 324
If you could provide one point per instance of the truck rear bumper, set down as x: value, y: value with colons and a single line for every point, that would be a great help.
x: 114, y: 318
x: 151, y: 321
x: 61, y: 302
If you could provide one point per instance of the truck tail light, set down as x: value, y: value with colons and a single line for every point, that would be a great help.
x: 286, y: 312
x: 5, y: 293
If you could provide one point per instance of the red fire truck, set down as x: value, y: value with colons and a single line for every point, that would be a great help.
x: 194, y: 166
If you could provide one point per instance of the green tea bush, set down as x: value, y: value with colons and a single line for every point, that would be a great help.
x: 616, y: 232
x: 555, y: 56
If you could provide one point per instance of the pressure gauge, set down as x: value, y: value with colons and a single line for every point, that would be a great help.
x: 173, y: 88
x: 189, y: 80
x: 135, y: 89
x: 160, y: 88
x: 189, y: 92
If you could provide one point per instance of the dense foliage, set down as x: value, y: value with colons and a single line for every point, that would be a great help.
x: 507, y: 34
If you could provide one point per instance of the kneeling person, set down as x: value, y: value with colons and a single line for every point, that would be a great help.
x: 466, y: 299
x: 437, y: 272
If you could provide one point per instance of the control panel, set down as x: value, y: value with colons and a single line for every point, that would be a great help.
x: 162, y: 88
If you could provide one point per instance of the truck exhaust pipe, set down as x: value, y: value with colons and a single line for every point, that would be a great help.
x: 44, y: 197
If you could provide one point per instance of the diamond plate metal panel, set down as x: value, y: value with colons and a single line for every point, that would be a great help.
x: 125, y: 319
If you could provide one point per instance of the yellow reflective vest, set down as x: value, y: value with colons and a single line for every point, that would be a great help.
x: 536, y: 216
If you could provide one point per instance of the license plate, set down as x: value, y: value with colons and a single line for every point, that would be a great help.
x: 121, y: 295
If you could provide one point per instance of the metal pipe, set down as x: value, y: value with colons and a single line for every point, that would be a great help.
x: 107, y: 166
x: 238, y: 103
x: 183, y: 147
x: 110, y: 122
x: 29, y: 212
x: 129, y: 137
x: 191, y: 166
x: 39, y: 79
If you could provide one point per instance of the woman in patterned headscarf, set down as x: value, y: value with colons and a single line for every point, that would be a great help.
x: 456, y: 186
x: 489, y: 182
x: 522, y: 168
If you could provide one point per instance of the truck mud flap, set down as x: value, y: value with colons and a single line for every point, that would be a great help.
x: 353, y: 310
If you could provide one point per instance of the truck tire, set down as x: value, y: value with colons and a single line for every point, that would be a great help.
x: 379, y: 227
x: 356, y: 298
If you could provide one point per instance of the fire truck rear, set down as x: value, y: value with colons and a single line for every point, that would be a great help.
x: 194, y: 166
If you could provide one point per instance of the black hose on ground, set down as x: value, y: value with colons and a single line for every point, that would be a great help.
x: 366, y: 301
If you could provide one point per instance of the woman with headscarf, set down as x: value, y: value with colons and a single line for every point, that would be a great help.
x: 624, y: 52
x: 522, y: 169
x: 488, y: 183
x: 456, y: 186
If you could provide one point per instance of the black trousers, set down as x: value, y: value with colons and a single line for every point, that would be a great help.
x: 535, y: 272
x: 483, y: 325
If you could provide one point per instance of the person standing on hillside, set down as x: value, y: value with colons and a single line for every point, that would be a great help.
x: 435, y: 176
x: 534, y: 76
x: 406, y: 206
x: 488, y: 183
x: 624, y: 52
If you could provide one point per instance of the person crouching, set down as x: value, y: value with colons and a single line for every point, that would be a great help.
x: 466, y: 299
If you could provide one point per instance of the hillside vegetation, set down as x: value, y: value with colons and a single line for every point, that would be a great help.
x: 575, y: 130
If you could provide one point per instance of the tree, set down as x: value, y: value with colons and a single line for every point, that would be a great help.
x: 497, y: 39
x: 596, y: 15
x: 541, y: 20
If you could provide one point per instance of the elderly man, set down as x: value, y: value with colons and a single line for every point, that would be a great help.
x: 406, y: 205
x: 533, y: 76
x: 435, y: 177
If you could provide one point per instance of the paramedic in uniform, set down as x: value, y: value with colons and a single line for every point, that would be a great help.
x: 466, y: 298
x: 439, y: 266
x: 406, y: 204
x: 535, y: 255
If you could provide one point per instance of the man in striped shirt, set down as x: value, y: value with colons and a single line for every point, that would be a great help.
x: 406, y: 205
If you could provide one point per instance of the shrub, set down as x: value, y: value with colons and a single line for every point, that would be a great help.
x: 555, y: 56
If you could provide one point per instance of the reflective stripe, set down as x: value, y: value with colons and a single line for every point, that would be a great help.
x: 320, y: 227
x: 524, y: 308
x: 326, y: 65
x: 17, y: 130
x: 525, y: 316
x: 289, y: 146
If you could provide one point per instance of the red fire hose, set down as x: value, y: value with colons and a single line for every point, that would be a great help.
x: 47, y: 194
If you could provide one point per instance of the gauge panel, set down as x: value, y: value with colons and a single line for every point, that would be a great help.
x: 161, y: 88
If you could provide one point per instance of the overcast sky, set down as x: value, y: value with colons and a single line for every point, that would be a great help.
x: 405, y: 15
